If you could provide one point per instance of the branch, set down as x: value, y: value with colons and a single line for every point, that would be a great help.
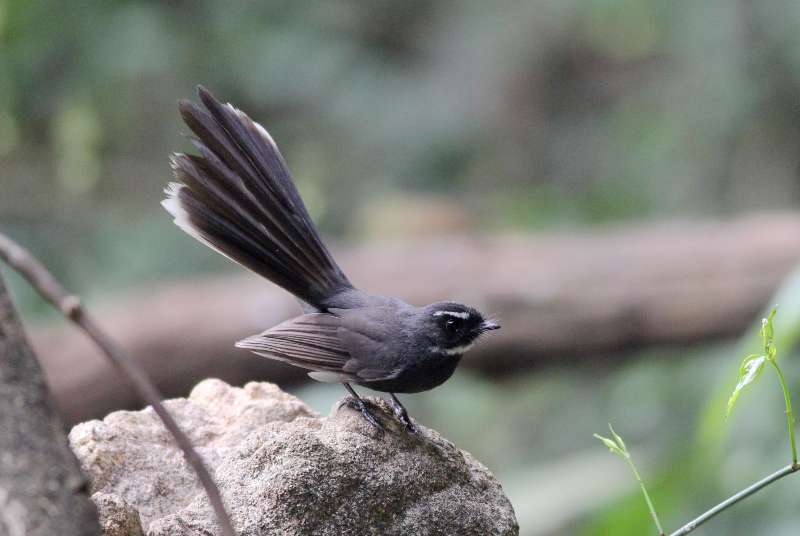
x: 746, y: 492
x: 43, y: 281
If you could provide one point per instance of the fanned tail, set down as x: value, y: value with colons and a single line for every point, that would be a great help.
x: 238, y: 198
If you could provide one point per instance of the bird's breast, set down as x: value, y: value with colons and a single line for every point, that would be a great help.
x: 420, y: 375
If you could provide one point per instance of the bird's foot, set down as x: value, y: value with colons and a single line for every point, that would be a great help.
x: 402, y: 415
x: 360, y: 405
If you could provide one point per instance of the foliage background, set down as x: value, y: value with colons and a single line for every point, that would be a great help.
x: 532, y: 115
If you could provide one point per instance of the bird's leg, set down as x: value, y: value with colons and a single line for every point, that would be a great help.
x: 401, y: 413
x: 362, y: 406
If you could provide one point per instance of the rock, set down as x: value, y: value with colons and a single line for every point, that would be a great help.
x: 117, y: 517
x: 282, y: 469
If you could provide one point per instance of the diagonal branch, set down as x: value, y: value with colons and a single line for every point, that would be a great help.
x: 43, y: 281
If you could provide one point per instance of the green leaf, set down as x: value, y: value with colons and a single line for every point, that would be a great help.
x: 748, y: 373
x: 612, y: 446
x: 768, y: 334
x: 618, y: 439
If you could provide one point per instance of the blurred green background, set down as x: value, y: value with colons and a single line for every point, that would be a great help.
x: 531, y: 115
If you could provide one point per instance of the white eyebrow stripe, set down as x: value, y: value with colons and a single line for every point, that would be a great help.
x: 457, y: 314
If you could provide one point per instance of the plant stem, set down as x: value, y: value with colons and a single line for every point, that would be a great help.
x: 646, y: 495
x: 727, y: 503
x: 789, y: 415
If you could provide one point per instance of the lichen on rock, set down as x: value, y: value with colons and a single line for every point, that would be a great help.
x: 283, y: 469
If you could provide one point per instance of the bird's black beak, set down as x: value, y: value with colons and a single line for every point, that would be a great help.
x: 488, y: 325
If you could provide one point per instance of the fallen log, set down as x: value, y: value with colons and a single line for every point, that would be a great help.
x: 557, y: 295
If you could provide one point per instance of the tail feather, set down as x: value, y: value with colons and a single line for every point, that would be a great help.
x: 245, y: 148
x: 238, y: 198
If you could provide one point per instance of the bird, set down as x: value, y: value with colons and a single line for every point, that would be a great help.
x: 237, y: 197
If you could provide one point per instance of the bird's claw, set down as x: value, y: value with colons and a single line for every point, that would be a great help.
x: 360, y: 405
x: 402, y: 416
x: 407, y: 423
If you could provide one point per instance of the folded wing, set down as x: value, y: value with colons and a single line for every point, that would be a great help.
x: 318, y: 342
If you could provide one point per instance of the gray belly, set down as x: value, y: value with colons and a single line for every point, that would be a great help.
x: 418, y: 376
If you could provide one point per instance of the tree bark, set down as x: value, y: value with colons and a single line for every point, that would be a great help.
x: 42, y: 490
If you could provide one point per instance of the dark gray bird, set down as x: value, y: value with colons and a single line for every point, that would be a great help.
x: 238, y: 198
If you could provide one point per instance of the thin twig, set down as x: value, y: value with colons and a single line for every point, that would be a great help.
x: 727, y: 503
x: 43, y: 281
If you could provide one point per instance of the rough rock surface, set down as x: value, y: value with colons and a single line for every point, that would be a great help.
x: 117, y: 518
x: 284, y: 470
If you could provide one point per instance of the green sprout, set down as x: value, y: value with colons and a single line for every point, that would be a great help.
x: 749, y: 371
x: 751, y: 368
x: 617, y: 446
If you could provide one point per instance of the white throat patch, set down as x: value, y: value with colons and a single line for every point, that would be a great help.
x: 458, y: 350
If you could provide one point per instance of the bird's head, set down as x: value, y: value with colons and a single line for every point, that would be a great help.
x: 454, y: 327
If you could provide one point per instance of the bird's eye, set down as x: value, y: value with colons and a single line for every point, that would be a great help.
x: 453, y: 325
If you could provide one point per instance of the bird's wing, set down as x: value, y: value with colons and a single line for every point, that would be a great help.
x: 319, y: 342
x: 374, y: 337
x: 368, y: 356
x: 310, y: 341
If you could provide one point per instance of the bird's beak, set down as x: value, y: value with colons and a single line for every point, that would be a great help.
x: 488, y: 325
